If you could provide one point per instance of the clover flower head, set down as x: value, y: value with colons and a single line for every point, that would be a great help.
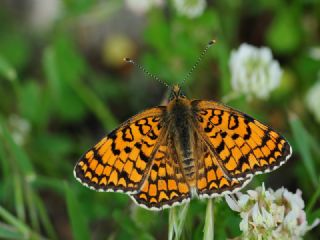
x: 254, y: 72
x: 140, y: 7
x: 190, y: 8
x: 314, y: 53
x: 44, y: 13
x: 269, y: 214
x: 20, y: 128
x: 313, y: 99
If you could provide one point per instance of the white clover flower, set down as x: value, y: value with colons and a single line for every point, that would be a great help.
x: 268, y: 214
x: 44, y: 13
x: 254, y: 72
x: 140, y: 7
x: 19, y: 128
x: 190, y: 8
x: 314, y: 53
x: 313, y: 100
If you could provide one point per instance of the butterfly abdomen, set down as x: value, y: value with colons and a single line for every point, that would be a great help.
x: 181, y: 118
x: 189, y: 168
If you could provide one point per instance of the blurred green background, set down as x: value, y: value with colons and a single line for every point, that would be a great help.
x: 64, y: 86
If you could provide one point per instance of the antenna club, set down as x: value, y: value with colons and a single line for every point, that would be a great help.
x: 129, y: 60
x: 213, y: 41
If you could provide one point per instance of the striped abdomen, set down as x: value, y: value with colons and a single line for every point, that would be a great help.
x: 189, y: 168
x: 182, y: 136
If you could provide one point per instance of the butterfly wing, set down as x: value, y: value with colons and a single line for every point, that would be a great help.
x: 165, y: 187
x: 120, y: 161
x: 242, y: 145
x: 211, y: 180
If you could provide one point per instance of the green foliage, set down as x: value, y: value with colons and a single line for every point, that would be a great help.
x: 285, y: 33
x: 303, y: 142
x: 64, y: 97
x: 78, y: 222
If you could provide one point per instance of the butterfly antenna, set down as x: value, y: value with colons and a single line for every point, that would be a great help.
x: 129, y: 60
x: 199, y: 60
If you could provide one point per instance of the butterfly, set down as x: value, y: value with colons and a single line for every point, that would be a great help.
x: 166, y: 155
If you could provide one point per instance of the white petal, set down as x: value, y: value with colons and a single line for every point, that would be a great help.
x: 253, y: 194
x: 312, y: 100
x: 139, y: 7
x: 256, y: 215
x: 243, y: 200
x: 253, y: 71
x: 189, y: 8
x: 268, y: 219
x: 291, y: 220
x: 232, y: 203
x: 265, y: 54
x: 244, y: 224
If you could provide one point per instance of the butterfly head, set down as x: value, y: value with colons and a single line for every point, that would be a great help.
x: 176, y: 93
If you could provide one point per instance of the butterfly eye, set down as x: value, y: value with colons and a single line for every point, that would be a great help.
x: 172, y: 96
x: 182, y: 95
x: 176, y: 92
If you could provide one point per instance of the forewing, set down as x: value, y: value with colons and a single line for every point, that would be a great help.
x: 243, y: 146
x: 120, y: 161
x: 165, y: 186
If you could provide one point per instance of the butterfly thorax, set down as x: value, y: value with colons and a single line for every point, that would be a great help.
x: 180, y: 120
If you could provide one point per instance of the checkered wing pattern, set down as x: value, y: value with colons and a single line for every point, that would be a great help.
x: 166, y: 186
x: 121, y: 161
x: 211, y: 179
x: 242, y: 146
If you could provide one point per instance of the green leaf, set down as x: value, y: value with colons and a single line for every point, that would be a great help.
x: 45, y: 220
x: 7, y: 232
x: 313, y: 216
x: 78, y: 6
x: 45, y: 183
x: 32, y: 208
x: 66, y: 85
x: 313, y: 200
x: 5, y: 166
x: 60, y: 68
x: 34, y: 102
x: 18, y: 225
x: 208, y: 231
x: 19, y: 197
x: 12, y: 220
x: 285, y: 33
x: 79, y: 224
x: 127, y: 225
x: 15, y: 47
x: 177, y: 217
x: 22, y: 159
x: 94, y: 104
x: 7, y: 71
x: 302, y: 138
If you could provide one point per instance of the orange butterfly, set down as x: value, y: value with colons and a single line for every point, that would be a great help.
x: 166, y: 155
